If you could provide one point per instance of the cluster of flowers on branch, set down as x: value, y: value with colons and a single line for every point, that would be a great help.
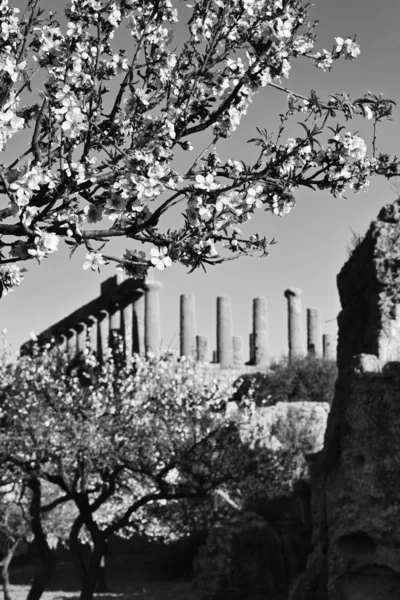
x: 104, y: 133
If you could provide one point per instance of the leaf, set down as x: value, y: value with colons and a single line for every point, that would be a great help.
x: 305, y: 127
x: 73, y: 250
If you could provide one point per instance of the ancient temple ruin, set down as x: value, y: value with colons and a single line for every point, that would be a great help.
x: 131, y: 308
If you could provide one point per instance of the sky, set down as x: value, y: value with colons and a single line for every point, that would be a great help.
x: 313, y: 239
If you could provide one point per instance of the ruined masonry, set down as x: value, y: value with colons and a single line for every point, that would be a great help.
x: 356, y: 477
x: 131, y: 308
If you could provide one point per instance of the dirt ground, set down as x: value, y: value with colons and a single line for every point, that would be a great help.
x: 169, y: 590
x: 128, y: 578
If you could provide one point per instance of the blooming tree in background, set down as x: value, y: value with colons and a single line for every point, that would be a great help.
x: 103, y: 125
x: 102, y: 451
x: 93, y: 451
x: 14, y: 529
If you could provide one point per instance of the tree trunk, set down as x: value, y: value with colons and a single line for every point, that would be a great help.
x: 93, y: 572
x: 5, y: 570
x: 76, y: 550
x: 102, y: 585
x: 45, y: 568
x: 43, y: 572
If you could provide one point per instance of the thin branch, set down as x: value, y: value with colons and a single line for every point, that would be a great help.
x: 129, y: 76
x: 225, y: 496
x: 200, y: 156
x: 35, y: 138
x: 25, y: 84
x: 287, y: 91
x: 103, y: 233
x: 153, y: 220
x: 7, y: 189
x: 32, y: 7
x: 215, y: 115
x: 55, y: 503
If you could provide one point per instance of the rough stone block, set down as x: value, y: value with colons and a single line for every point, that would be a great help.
x: 366, y: 363
x: 287, y: 425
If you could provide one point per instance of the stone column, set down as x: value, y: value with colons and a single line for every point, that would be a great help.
x: 237, y: 343
x: 152, y: 316
x: 201, y: 347
x: 260, y: 332
x: 115, y: 318
x: 138, y: 324
x: 187, y: 325
x: 127, y: 322
x: 81, y: 337
x: 92, y: 327
x: 62, y: 342
x: 224, y: 332
x: 104, y: 334
x: 295, y: 334
x: 329, y: 346
x: 314, y: 338
x: 115, y: 326
x: 251, y: 348
x: 71, y: 343
x: 110, y: 285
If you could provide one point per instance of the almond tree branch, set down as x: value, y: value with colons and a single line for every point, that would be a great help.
x: 35, y: 138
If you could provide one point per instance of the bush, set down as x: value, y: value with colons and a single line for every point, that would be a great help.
x: 243, y: 557
x: 260, y: 552
x: 309, y: 379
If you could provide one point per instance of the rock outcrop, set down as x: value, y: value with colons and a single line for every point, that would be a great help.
x: 299, y: 425
x: 356, y: 478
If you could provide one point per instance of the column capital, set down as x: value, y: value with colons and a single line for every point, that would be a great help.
x: 293, y: 291
x: 295, y: 336
x: 71, y: 342
x: 152, y: 285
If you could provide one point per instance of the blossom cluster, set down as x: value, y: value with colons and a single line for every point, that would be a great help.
x: 11, y: 276
x: 109, y: 123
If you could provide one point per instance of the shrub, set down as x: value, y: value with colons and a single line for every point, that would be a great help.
x: 242, y: 558
x: 309, y: 379
x: 260, y: 551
